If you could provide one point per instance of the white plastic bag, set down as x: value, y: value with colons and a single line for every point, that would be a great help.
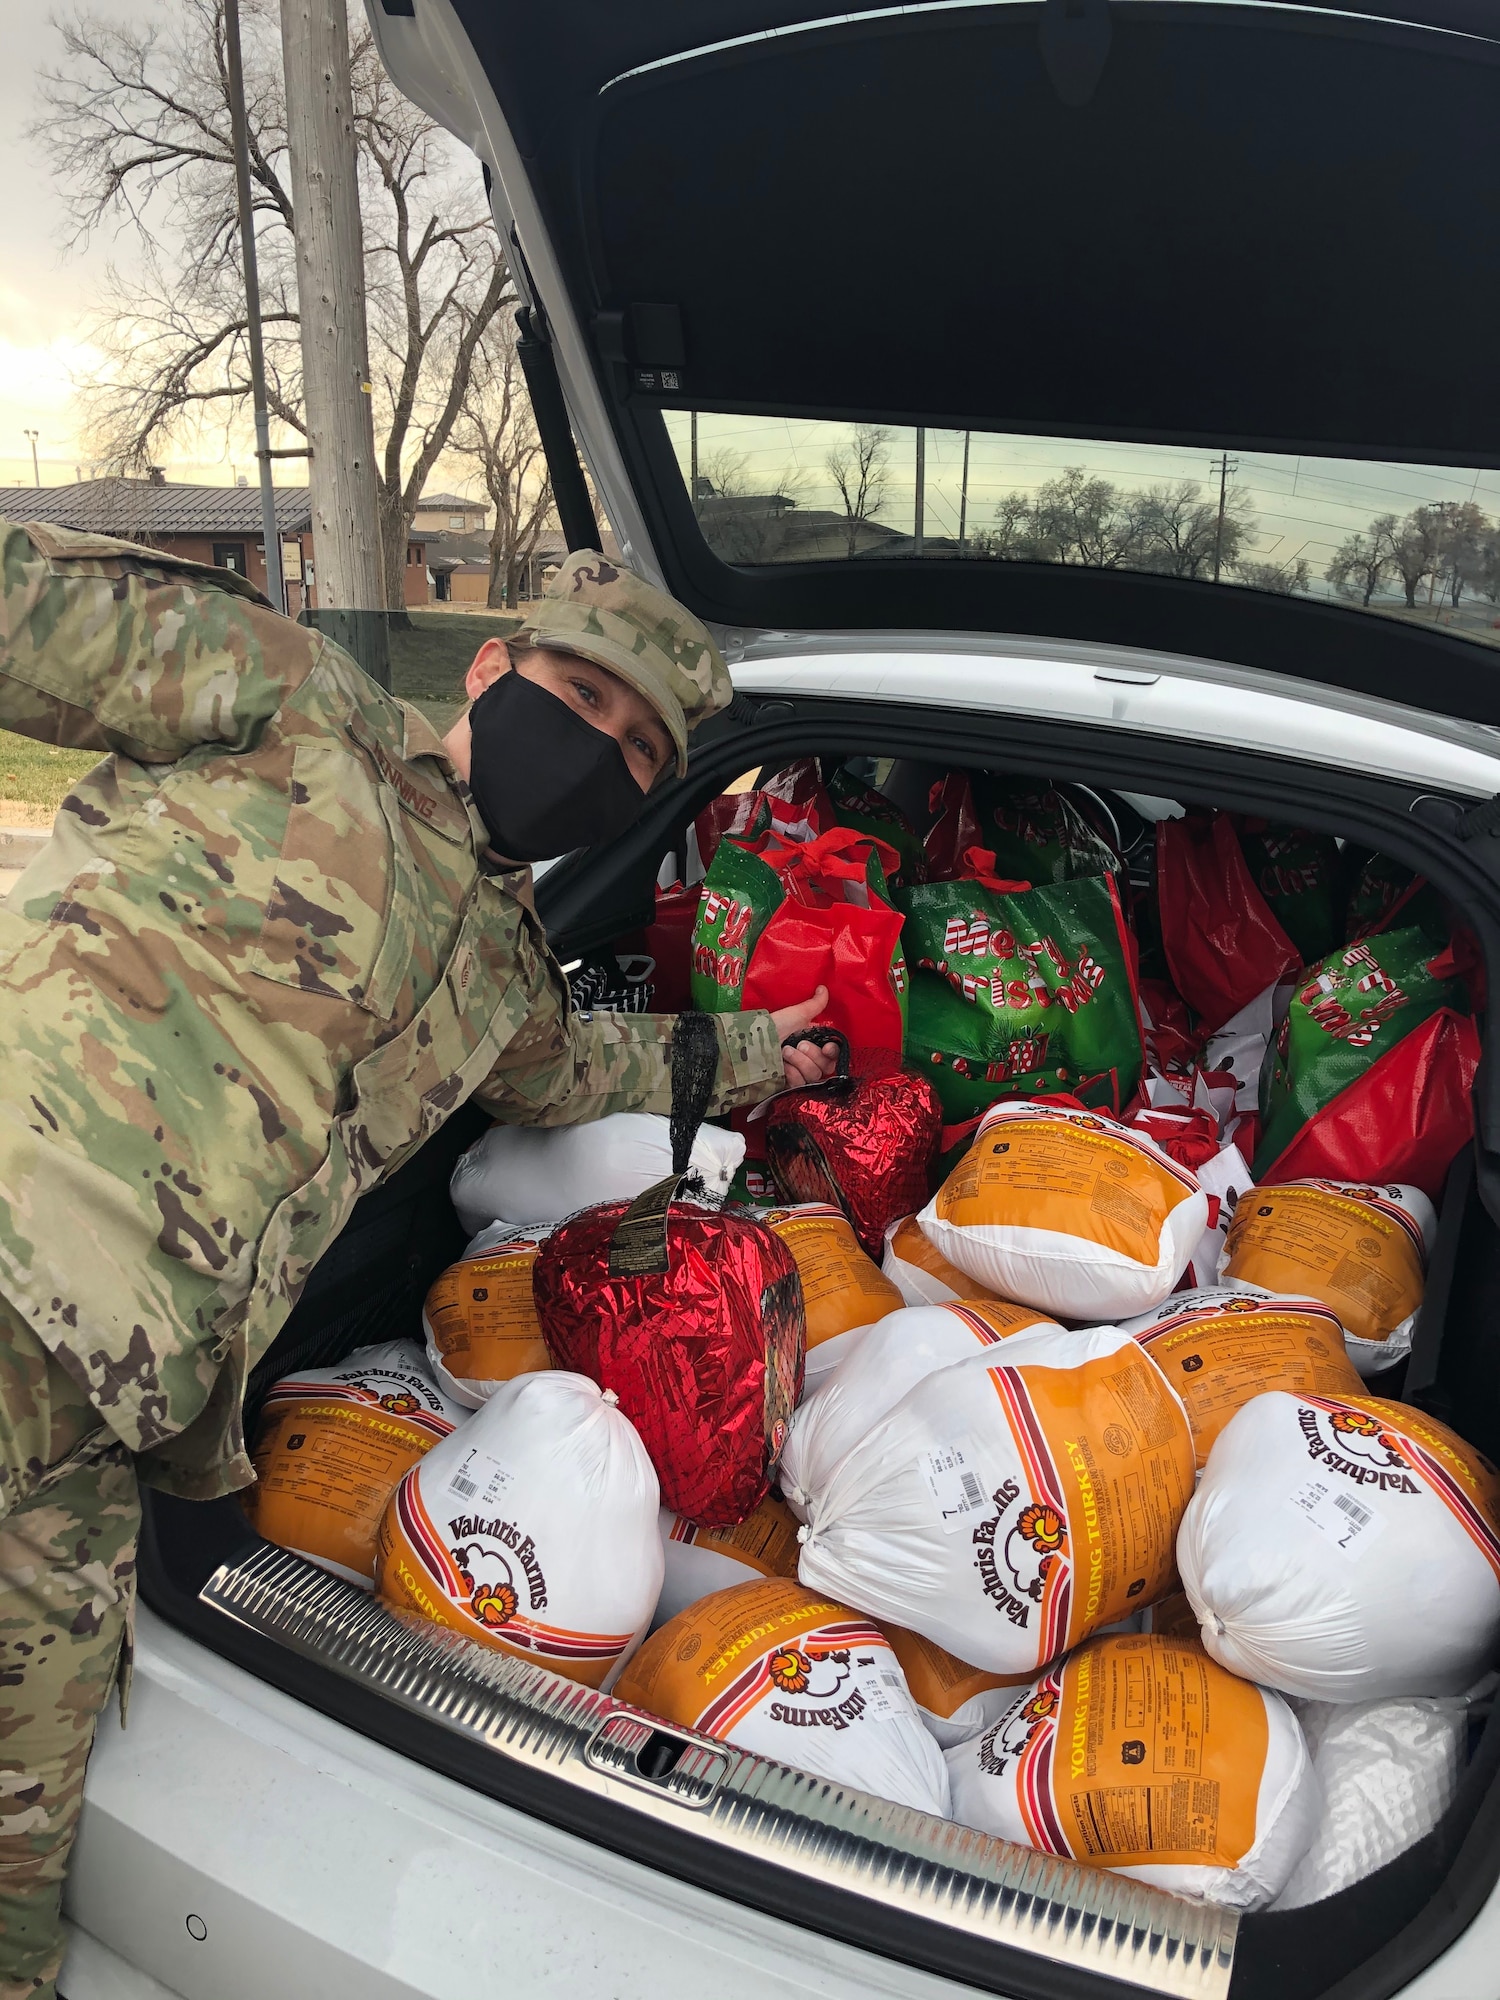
x: 892, y: 1358
x: 519, y: 1173
x: 920, y: 1273
x: 1068, y: 1211
x: 1361, y: 1250
x: 1225, y: 1180
x: 1387, y: 1771
x: 331, y: 1446
x: 533, y: 1530
x: 1010, y: 1504
x: 783, y: 1672
x: 1142, y: 1756
x: 1344, y: 1550
x: 700, y: 1561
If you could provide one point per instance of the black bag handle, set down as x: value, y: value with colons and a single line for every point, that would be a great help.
x: 638, y: 1245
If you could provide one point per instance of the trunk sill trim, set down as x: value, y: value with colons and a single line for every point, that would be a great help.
x: 932, y: 1869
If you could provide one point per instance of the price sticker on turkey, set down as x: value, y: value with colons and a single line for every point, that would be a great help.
x: 953, y: 1479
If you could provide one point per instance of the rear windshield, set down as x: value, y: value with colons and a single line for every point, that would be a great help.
x: 1416, y: 542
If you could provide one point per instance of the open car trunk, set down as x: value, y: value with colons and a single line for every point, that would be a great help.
x: 925, y: 1892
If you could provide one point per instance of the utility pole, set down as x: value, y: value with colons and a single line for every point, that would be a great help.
x: 919, y: 526
x: 36, y: 470
x: 1225, y: 468
x: 693, y: 419
x: 335, y: 347
x: 963, y: 497
x: 270, y: 533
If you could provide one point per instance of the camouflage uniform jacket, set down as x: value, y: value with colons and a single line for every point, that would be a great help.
x: 257, y: 965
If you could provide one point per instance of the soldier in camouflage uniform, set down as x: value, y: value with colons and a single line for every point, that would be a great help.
x: 261, y: 960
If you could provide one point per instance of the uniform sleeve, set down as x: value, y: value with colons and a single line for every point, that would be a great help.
x: 104, y: 646
x: 566, y: 1069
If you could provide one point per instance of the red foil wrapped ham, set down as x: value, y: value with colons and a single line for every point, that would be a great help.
x: 866, y: 1143
x: 705, y: 1354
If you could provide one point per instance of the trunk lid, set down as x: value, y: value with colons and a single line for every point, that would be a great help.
x: 1113, y: 303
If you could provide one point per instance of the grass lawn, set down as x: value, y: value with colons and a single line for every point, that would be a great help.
x: 34, y: 778
x: 431, y: 654
x: 429, y: 658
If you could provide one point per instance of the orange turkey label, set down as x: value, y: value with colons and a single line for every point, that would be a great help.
x: 939, y: 1681
x: 1137, y: 1751
x: 1362, y: 1258
x: 765, y: 1540
x: 841, y: 1287
x: 483, y: 1319
x: 1218, y: 1357
x: 328, y: 1458
x: 1089, y: 1532
x: 1073, y: 1177
x: 712, y: 1662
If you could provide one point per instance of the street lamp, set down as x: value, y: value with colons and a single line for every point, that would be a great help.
x: 36, y: 470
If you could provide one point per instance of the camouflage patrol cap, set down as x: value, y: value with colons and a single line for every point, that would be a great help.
x: 606, y: 613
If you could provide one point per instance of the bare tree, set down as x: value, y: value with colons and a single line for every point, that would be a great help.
x: 1178, y: 529
x: 1359, y: 565
x: 137, y: 129
x: 497, y: 430
x: 1090, y: 521
x: 859, y: 471
x: 1415, y: 549
x: 1016, y: 535
x: 1283, y: 579
x: 741, y: 526
x: 1460, y: 529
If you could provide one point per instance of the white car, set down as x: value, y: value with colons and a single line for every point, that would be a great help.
x: 1101, y: 390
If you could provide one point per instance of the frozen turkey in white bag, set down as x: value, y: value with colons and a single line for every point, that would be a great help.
x: 1012, y: 1503
x: 1068, y: 1211
x: 1344, y: 1550
x: 518, y: 1173
x: 1362, y: 1250
x: 532, y: 1529
x: 920, y: 1273
x: 781, y: 1671
x: 1387, y: 1771
x: 892, y: 1357
x: 1140, y: 1755
x: 701, y: 1560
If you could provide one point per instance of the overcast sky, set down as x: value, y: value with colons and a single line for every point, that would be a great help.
x: 45, y: 288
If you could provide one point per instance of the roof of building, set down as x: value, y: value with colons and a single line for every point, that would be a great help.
x: 136, y: 507
x: 450, y: 502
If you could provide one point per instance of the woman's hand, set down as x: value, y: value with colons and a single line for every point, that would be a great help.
x: 808, y: 1062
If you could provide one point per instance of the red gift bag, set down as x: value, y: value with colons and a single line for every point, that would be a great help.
x: 834, y: 929
x: 1405, y: 1119
x: 1222, y: 944
x: 669, y: 940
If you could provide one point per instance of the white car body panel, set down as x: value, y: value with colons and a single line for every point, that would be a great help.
x: 322, y: 1866
x: 1196, y: 701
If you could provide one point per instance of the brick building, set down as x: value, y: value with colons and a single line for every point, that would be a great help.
x: 210, y: 524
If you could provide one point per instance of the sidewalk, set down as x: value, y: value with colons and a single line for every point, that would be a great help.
x: 19, y: 846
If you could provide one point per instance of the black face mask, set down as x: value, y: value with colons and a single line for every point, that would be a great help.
x: 545, y: 780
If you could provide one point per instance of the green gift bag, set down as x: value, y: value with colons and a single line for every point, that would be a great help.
x: 1370, y: 1073
x: 777, y: 919
x: 1017, y: 991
